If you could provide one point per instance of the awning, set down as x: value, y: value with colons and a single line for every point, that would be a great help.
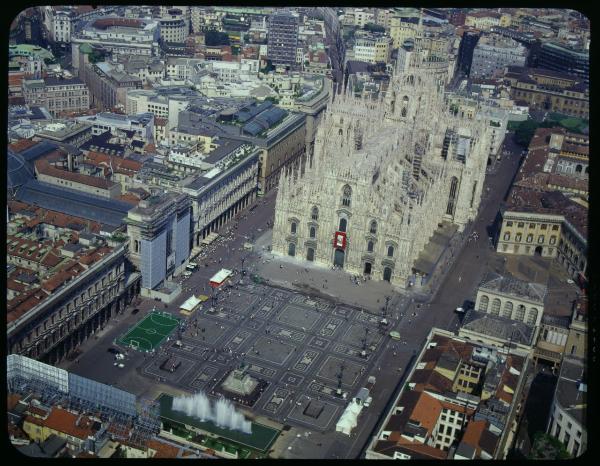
x: 218, y: 278
x: 191, y: 304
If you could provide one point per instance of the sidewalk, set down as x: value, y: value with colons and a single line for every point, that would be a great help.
x: 336, y: 285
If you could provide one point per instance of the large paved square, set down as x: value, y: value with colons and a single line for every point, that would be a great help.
x: 356, y: 334
x: 332, y: 367
x: 271, y: 350
x: 300, y: 317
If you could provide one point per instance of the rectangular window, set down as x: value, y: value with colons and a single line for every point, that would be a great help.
x: 554, y: 227
x: 544, y: 226
x: 520, y: 225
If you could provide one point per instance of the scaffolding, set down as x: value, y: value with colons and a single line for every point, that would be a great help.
x: 123, y: 416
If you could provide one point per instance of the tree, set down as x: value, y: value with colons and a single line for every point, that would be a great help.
x: 524, y: 132
x: 373, y: 27
x: 213, y: 38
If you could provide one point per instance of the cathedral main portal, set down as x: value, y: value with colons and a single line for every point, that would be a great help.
x: 338, y: 258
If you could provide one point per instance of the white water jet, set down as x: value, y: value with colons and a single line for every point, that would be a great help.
x: 222, y: 413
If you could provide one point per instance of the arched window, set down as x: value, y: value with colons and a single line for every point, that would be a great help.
x: 390, y: 251
x: 532, y: 316
x: 370, y: 246
x: 483, y: 303
x: 291, y: 249
x: 452, y: 196
x: 403, y: 112
x: 506, y: 237
x: 529, y: 238
x: 508, y: 308
x: 313, y: 232
x: 520, y: 314
x: 314, y: 214
x: 293, y: 228
x: 346, y: 196
x: 495, y: 307
x: 373, y: 227
x: 578, y: 168
x: 343, y: 224
x: 310, y: 254
x: 541, y: 239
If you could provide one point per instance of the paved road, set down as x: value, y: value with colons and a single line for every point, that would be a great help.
x: 478, y: 256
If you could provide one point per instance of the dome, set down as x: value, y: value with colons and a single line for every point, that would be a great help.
x: 18, y: 170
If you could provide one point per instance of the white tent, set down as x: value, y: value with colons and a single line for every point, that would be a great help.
x: 191, y: 304
x: 349, y: 418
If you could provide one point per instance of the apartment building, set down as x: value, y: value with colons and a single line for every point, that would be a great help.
x: 459, y: 402
x: 58, y: 94
x: 118, y: 36
x: 548, y: 90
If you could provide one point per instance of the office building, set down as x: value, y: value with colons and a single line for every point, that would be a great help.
x: 283, y: 39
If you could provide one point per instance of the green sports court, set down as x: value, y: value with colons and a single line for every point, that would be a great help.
x: 150, y: 332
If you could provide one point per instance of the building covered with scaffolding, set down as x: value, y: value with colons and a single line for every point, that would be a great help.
x: 123, y: 416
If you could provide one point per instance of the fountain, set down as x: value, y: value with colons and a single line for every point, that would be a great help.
x: 222, y: 413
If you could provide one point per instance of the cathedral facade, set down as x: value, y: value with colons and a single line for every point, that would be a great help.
x: 384, y: 174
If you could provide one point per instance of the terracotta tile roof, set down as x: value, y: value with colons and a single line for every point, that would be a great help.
x: 11, y: 284
x: 43, y: 166
x: 150, y: 148
x: 24, y: 302
x: 15, y: 79
x: 95, y: 255
x: 522, y: 199
x: 119, y: 164
x: 429, y: 379
x: 71, y: 424
x: 11, y: 400
x: 21, y: 145
x: 472, y: 434
x: 130, y: 197
x: 427, y: 411
x: 52, y: 259
x: 26, y: 248
x: 163, y: 450
x: 69, y: 271
x: 415, y: 450
x: 105, y: 23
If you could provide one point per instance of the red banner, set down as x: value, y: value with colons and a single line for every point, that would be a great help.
x: 339, y: 240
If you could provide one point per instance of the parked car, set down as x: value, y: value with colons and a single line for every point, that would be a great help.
x: 135, y: 311
x: 113, y: 351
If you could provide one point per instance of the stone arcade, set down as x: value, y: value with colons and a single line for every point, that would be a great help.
x: 384, y: 174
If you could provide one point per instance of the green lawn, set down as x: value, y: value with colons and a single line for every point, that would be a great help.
x: 150, y: 332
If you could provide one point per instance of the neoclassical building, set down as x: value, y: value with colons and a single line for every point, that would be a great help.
x: 511, y: 298
x: 384, y: 174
